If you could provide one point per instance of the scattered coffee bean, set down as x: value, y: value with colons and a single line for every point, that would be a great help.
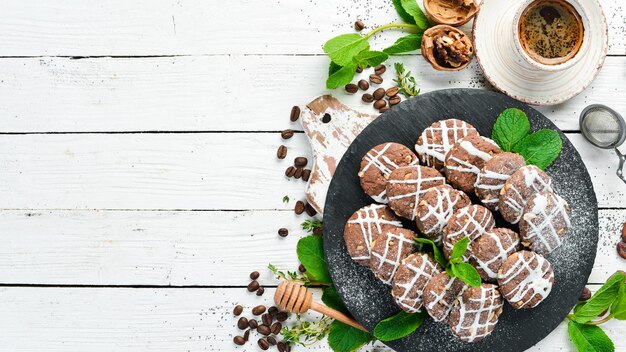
x: 282, y: 347
x: 298, y: 173
x: 276, y: 327
x: 282, y: 316
x: 239, y: 341
x: 306, y: 174
x: 352, y: 88
x: 258, y: 310
x: 263, y: 344
x: 271, y: 340
x: 624, y: 233
x: 367, y: 97
x: 376, y: 79
x: 301, y: 268
x: 392, y: 92
x: 379, y: 104
x: 237, y: 310
x: 386, y: 108
x: 310, y: 211
x: 394, y: 100
x: 242, y: 323
x: 253, y: 324
x: 318, y: 231
x: 585, y: 295
x: 286, y: 134
x: 621, y: 249
x: 246, y: 335
x: 263, y: 330
x: 283, y: 232
x: 300, y: 161
x: 260, y: 291
x: 603, y: 312
x: 281, y: 153
x: 379, y: 93
x: 253, y: 286
x: 254, y: 275
x: 380, y: 69
x: 326, y: 118
x: 267, y: 319
x: 299, y: 207
x: 290, y: 171
x: 359, y: 25
x: 364, y: 85
x: 273, y: 310
x: 359, y: 69
x: 295, y: 113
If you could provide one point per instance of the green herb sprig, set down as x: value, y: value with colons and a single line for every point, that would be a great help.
x: 455, y: 267
x: 405, y: 82
x: 311, y: 225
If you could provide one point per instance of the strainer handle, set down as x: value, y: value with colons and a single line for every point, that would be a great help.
x: 620, y: 168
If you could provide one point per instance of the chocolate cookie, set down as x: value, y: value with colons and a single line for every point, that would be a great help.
x: 408, y: 284
x: 377, y: 164
x: 364, y: 226
x: 489, y: 251
x: 525, y: 279
x: 466, y: 158
x: 545, y: 222
x: 522, y: 184
x: 436, y: 140
x: 439, y: 295
x: 475, y: 313
x: 435, y: 208
x: 406, y: 185
x: 493, y: 175
x: 388, y: 250
x: 471, y: 221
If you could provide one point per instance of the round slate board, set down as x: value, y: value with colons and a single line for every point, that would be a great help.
x: 370, y: 301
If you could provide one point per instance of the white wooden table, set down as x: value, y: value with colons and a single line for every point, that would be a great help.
x: 138, y: 179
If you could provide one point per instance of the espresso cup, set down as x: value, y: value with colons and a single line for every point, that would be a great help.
x: 559, y: 63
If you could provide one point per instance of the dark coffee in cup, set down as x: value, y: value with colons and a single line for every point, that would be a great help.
x: 550, y: 31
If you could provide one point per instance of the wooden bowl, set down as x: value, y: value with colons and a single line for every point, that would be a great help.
x: 451, y: 12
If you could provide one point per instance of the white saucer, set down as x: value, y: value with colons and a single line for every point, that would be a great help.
x: 508, y: 72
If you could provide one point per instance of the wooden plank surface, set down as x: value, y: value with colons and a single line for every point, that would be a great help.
x: 216, y: 93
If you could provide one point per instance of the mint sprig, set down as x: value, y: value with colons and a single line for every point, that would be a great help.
x: 399, y: 325
x: 439, y: 257
x: 311, y: 254
x: 457, y: 268
x: 345, y: 338
x: 589, y: 338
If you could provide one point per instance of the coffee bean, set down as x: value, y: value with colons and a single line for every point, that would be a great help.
x: 359, y: 69
x: 281, y: 153
x: 260, y: 291
x: 379, y: 93
x: 376, y: 79
x: 246, y: 335
x: 299, y: 207
x: 392, y: 92
x: 603, y: 312
x: 621, y: 249
x: 359, y: 25
x: 282, y: 316
x: 283, y: 232
x: 258, y: 310
x: 253, y: 324
x: 254, y: 275
x: 242, y: 323
x: 273, y: 310
x: 237, y: 310
x: 267, y: 319
x: 276, y: 327
x: 386, y: 108
x: 263, y: 344
x: 310, y: 211
x: 300, y: 161
x: 394, y: 100
x: 271, y: 340
x: 364, y: 85
x: 253, y: 286
x: 295, y: 113
x: 290, y: 171
x: 301, y: 268
x: 238, y: 340
x: 585, y: 295
x: 306, y: 174
x: 624, y: 233
x: 298, y: 173
x: 379, y: 104
x: 263, y: 330
x: 318, y: 231
x: 380, y: 69
x: 282, y: 347
x: 286, y: 134
x: 367, y: 98
x: 326, y: 118
x: 351, y: 88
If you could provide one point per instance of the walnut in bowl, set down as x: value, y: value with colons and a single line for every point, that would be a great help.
x: 451, y: 12
x: 447, y: 48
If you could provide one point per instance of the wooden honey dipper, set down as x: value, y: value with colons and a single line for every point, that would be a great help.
x: 296, y: 298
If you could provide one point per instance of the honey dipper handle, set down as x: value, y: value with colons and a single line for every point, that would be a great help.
x: 337, y: 315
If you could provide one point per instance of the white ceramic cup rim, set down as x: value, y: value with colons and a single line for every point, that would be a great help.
x: 544, y: 67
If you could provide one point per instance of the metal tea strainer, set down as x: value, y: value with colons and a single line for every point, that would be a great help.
x: 605, y: 128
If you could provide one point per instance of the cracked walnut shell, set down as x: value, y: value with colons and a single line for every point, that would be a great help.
x: 451, y: 12
x: 447, y: 48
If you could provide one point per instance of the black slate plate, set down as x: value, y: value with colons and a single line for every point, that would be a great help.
x: 370, y: 301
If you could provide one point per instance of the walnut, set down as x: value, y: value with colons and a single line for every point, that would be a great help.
x: 451, y: 12
x: 447, y: 48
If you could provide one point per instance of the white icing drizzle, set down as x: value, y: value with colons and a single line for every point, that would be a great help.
x: 533, y: 285
x: 442, y: 210
x: 465, y: 217
x: 411, y: 298
x: 439, y: 300
x: 395, y: 263
x: 544, y: 231
x: 465, y: 166
x: 432, y: 151
x: 504, y: 250
x: 417, y: 181
x: 533, y: 182
x: 369, y: 219
x: 480, y: 322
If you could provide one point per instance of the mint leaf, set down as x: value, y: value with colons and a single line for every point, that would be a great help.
x: 341, y: 76
x: 439, y: 257
x: 589, y: 338
x: 343, y: 48
x: 466, y: 273
x: 405, y: 44
x: 412, y: 8
x: 402, y: 13
x: 601, y: 300
x: 331, y: 298
x: 459, y: 249
x: 370, y: 58
x: 333, y: 68
x: 311, y: 254
x: 398, y: 326
x: 449, y: 271
x: 540, y: 148
x: 618, y: 308
x: 510, y: 128
x: 345, y: 338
